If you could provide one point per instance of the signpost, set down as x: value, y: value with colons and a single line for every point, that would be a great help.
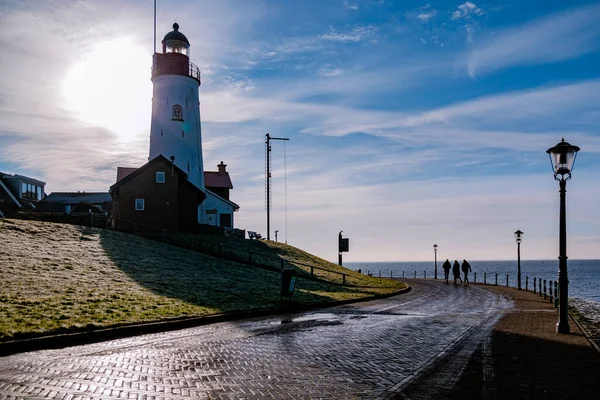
x: 343, y: 247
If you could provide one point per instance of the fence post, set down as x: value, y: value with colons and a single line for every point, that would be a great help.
x: 425, y: 274
x: 540, y: 286
x: 415, y: 275
x: 474, y: 277
x: 312, y: 271
x: 391, y: 274
x: 380, y: 273
x: 534, y: 287
x: 556, y: 294
x: 526, y: 283
x: 545, y: 289
x: 496, y: 279
x: 485, y: 278
x: 344, y: 279
x: 550, y: 293
x: 506, y: 280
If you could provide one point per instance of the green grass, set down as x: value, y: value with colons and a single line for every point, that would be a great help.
x: 64, y: 278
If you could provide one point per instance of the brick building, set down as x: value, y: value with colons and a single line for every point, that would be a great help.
x: 157, y: 194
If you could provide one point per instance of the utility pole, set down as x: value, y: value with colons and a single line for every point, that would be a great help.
x: 268, y: 139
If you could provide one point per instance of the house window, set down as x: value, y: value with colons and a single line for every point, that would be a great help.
x: 160, y: 177
x: 139, y: 205
x: 177, y: 113
x: 29, y: 191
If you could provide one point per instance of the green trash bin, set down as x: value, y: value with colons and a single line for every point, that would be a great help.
x: 288, y: 282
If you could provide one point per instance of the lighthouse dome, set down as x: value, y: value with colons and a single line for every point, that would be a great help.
x: 176, y: 35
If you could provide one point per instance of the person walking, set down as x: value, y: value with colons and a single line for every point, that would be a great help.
x: 456, y: 271
x: 466, y: 268
x: 447, y: 268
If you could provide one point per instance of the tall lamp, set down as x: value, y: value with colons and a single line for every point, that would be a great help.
x: 519, y: 237
x: 435, y: 247
x: 562, y: 157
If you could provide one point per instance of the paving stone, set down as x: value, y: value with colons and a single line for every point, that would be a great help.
x: 365, y: 350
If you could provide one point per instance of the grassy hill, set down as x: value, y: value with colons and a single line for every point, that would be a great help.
x: 62, y: 278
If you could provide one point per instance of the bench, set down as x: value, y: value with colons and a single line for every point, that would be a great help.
x: 254, y: 235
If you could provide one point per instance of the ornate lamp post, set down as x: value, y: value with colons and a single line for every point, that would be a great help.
x: 562, y: 157
x: 519, y: 237
x: 435, y: 246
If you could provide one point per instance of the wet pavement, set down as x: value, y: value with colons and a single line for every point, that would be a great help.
x: 374, y: 349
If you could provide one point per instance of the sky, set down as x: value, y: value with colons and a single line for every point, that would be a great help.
x: 411, y: 123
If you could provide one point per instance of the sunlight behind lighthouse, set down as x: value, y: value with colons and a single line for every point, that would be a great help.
x: 111, y: 88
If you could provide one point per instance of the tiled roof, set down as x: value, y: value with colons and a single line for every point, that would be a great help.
x: 217, y: 180
x: 122, y: 172
x: 78, y: 197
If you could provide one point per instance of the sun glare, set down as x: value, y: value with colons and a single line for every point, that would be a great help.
x: 111, y: 88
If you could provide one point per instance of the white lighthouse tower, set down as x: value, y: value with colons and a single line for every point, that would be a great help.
x: 175, y: 129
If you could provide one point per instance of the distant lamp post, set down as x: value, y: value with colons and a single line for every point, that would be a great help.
x: 277, y: 231
x: 519, y: 238
x: 562, y: 157
x: 435, y: 247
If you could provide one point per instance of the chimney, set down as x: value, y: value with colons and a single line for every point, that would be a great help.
x: 222, y: 168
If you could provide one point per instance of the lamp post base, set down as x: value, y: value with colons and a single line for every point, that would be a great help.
x: 563, y: 327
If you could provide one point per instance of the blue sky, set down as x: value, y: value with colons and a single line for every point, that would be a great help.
x: 410, y: 122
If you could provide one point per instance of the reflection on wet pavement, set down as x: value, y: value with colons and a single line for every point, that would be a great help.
x: 363, y: 350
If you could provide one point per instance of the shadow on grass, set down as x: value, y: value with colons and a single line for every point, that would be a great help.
x: 520, y: 367
x: 216, y: 285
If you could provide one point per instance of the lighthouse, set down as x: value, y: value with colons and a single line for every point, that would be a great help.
x: 175, y: 131
x: 172, y: 191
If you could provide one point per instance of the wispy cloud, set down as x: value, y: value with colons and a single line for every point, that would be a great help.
x: 558, y: 37
x: 466, y: 11
x: 350, y: 6
x: 422, y: 14
x: 427, y: 15
x: 356, y: 34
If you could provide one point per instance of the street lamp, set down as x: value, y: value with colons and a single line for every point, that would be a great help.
x: 562, y: 157
x: 519, y: 237
x: 435, y: 246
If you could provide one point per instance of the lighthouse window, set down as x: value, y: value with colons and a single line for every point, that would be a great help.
x: 177, y: 113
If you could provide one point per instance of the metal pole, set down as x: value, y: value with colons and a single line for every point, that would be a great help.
x: 519, y: 265
x: 268, y: 157
x: 563, y: 312
x: 435, y: 256
x: 339, y: 249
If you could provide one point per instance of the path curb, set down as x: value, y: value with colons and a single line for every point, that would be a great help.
x: 585, y: 333
x: 118, y: 332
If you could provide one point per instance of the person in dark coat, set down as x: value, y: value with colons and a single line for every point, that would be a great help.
x: 447, y: 268
x: 456, y: 271
x: 466, y: 268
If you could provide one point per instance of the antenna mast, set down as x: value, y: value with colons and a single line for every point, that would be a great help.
x: 154, y: 49
x: 268, y: 180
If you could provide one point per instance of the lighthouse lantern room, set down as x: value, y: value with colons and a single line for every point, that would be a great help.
x: 175, y: 130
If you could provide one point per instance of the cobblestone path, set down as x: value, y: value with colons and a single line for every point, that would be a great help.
x: 366, y: 350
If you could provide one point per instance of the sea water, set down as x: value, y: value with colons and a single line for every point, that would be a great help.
x: 584, y: 275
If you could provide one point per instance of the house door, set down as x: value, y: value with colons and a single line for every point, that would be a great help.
x: 211, y: 217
